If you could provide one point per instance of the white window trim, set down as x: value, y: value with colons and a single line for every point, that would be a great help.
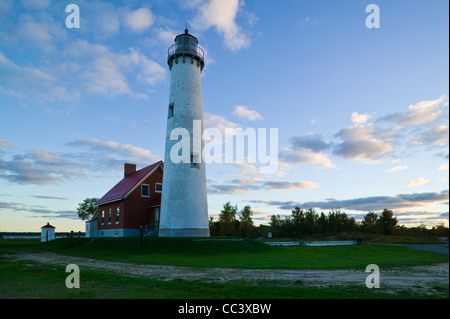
x: 147, y: 196
x: 156, y: 189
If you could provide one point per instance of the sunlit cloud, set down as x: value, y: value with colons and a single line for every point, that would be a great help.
x: 139, y: 20
x: 419, y: 181
x: 222, y: 16
x: 246, y: 113
x: 397, y: 168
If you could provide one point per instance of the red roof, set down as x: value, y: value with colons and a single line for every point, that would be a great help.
x: 47, y: 226
x: 122, y: 188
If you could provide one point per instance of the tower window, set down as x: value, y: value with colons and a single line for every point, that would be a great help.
x: 145, y: 190
x: 195, y: 163
x: 170, y: 111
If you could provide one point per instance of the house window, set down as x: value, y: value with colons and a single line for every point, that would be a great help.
x: 109, y: 216
x: 145, y: 190
x: 117, y: 215
x: 195, y: 163
x: 103, y: 217
x: 170, y: 110
x: 158, y: 187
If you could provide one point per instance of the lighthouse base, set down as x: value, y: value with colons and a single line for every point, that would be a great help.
x: 183, y: 232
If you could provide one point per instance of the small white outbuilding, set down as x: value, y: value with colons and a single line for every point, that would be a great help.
x: 47, y: 233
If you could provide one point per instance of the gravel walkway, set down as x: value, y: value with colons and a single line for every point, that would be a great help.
x: 419, y: 278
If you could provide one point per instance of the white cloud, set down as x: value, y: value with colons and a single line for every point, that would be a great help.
x: 44, y: 156
x: 420, y: 113
x: 213, y: 120
x: 167, y: 36
x: 244, y: 185
x: 146, y: 70
x: 367, y: 143
x: 139, y: 20
x: 283, y: 185
x: 419, y: 181
x: 41, y: 34
x: 366, y: 204
x: 248, y: 181
x: 397, y: 168
x: 443, y: 167
x: 221, y: 14
x: 42, y: 167
x: 116, y: 147
x: 306, y: 149
x: 32, y: 83
x: 35, y: 171
x: 106, y: 71
x: 105, y: 77
x: 5, y: 143
x: 360, y: 143
x: 226, y: 189
x: 436, y: 136
x: 305, y: 156
x: 102, y: 20
x: 36, y: 4
x: 244, y: 112
x: 358, y: 119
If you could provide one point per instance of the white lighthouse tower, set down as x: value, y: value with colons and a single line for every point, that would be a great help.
x: 184, y: 206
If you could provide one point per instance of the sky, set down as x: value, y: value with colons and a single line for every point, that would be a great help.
x: 361, y: 113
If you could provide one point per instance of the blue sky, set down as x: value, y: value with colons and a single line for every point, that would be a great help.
x: 362, y: 114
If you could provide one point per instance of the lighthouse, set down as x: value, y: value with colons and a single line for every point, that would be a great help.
x: 184, y: 206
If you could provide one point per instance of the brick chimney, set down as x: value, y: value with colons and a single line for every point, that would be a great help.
x: 129, y: 169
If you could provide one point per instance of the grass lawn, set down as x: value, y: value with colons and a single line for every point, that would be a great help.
x: 26, y: 279
x: 30, y: 280
x: 250, y: 254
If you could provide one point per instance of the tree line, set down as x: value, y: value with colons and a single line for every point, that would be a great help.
x: 232, y: 222
x: 308, y: 222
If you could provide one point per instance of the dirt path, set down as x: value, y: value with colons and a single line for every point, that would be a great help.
x: 419, y: 278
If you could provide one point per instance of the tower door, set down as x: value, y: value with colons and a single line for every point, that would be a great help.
x: 156, y: 216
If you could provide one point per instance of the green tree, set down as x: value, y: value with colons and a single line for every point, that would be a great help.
x: 213, y: 227
x: 275, y: 225
x: 387, y: 222
x: 311, y: 218
x: 227, y: 220
x: 369, y: 222
x: 275, y: 221
x: 322, y: 223
x: 439, y: 230
x: 246, y: 221
x: 298, y: 221
x: 338, y: 221
x: 87, y: 208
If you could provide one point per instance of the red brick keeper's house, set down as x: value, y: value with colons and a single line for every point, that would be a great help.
x: 133, y: 202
